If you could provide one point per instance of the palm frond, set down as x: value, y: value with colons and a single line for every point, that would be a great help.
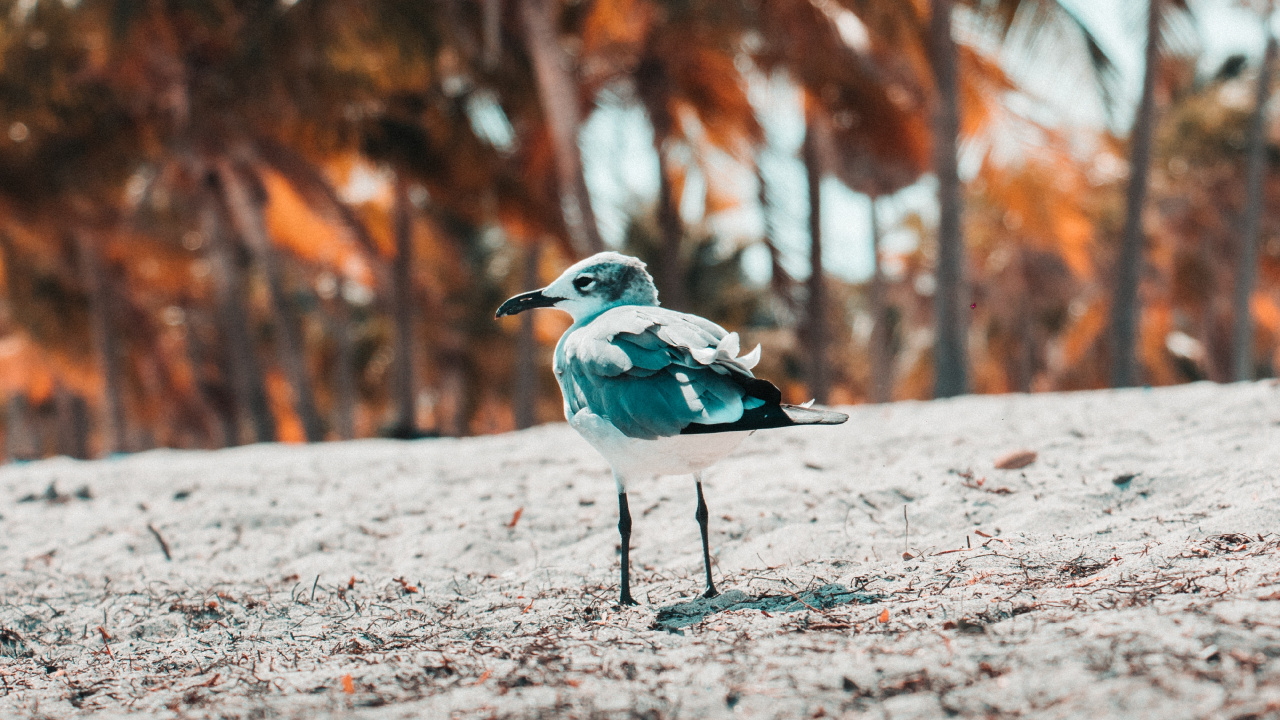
x: 1032, y: 26
x: 316, y: 190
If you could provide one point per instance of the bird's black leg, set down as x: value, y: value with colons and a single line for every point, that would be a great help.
x: 624, y: 529
x: 701, y: 516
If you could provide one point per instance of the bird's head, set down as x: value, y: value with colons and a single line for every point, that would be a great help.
x: 590, y: 287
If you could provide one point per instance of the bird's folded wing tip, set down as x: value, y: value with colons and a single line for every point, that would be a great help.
x: 802, y: 415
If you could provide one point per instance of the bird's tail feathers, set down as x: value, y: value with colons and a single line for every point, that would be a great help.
x: 803, y: 415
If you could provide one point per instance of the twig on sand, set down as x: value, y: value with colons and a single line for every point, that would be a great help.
x: 106, y: 642
x: 802, y: 602
x: 976, y: 483
x: 906, y: 535
x: 164, y: 546
x: 979, y: 485
x: 207, y: 683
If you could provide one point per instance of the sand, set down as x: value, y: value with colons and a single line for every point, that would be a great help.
x: 881, y: 569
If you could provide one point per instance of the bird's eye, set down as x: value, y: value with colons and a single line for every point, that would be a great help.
x: 584, y: 283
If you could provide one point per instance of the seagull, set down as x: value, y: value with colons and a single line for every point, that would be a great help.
x: 655, y: 391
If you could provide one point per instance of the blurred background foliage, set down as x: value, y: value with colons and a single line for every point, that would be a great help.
x: 264, y: 220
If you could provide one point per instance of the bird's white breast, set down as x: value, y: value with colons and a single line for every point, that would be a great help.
x: 635, y: 457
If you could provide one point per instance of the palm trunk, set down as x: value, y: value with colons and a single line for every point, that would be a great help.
x: 654, y: 90
x: 1217, y: 346
x: 951, y: 364
x: 1124, y: 306
x: 227, y: 414
x: 815, y: 142
x: 73, y: 423
x: 557, y: 92
x: 105, y: 340
x: 344, y: 382
x: 491, y: 19
x: 245, y: 207
x: 19, y: 441
x: 1026, y: 326
x: 451, y: 417
x: 780, y: 282
x: 672, y: 229
x: 20, y: 438
x: 405, y: 424
x: 881, y: 352
x: 526, y: 396
x: 1251, y: 222
x: 248, y: 386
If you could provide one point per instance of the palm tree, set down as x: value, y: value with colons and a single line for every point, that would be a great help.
x: 1251, y: 218
x: 234, y: 93
x: 1124, y: 304
x: 951, y: 361
x: 20, y: 442
x: 527, y: 380
x: 332, y: 291
x: 404, y: 392
x: 558, y: 93
x: 951, y: 296
x: 72, y: 414
x: 653, y: 85
x: 245, y: 206
x: 247, y: 383
x: 881, y: 332
x: 105, y: 339
x: 678, y: 60
x: 817, y: 144
x: 60, y: 178
x: 781, y: 284
x: 864, y: 110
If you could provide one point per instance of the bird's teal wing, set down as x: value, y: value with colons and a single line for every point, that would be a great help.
x: 652, y: 372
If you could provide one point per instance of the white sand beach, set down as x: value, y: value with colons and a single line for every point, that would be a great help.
x: 880, y: 569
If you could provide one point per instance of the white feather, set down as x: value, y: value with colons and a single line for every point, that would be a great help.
x: 727, y: 348
x: 705, y: 356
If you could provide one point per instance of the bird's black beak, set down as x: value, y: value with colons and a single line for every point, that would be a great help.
x: 526, y: 301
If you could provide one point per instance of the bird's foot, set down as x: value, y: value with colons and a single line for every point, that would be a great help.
x: 710, y: 593
x: 626, y: 600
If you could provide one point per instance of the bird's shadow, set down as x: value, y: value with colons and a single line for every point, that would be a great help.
x: 673, y: 617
